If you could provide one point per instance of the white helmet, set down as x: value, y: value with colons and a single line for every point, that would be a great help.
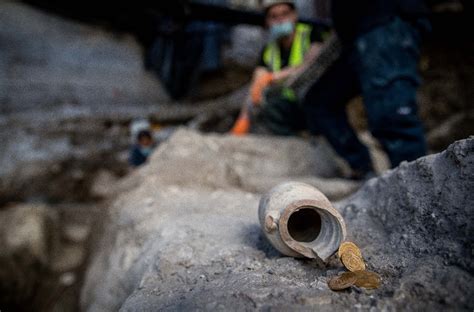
x: 137, y: 126
x: 267, y: 4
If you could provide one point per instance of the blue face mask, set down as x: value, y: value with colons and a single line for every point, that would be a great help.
x: 281, y: 30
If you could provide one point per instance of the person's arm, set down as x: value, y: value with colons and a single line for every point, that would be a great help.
x: 261, y: 78
x: 287, y: 73
x: 290, y: 72
x: 258, y: 73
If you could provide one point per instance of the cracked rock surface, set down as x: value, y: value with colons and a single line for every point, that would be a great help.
x: 185, y: 234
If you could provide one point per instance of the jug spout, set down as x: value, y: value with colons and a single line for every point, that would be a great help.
x: 300, y: 221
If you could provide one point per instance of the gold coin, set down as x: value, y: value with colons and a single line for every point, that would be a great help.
x: 349, y: 246
x: 343, y: 281
x: 352, y: 261
x: 367, y: 279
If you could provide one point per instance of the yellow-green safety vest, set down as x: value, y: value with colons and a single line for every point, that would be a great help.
x: 301, y: 45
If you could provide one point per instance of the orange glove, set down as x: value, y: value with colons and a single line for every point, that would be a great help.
x: 258, y: 86
x: 241, y: 126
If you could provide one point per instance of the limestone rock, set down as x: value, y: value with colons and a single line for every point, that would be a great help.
x: 251, y: 163
x: 27, y: 234
x: 186, y: 236
x: 414, y: 224
x: 68, y: 258
x: 103, y: 184
x: 76, y: 233
x: 71, y: 68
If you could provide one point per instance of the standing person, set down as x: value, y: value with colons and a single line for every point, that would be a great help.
x: 381, y: 50
x: 291, y: 44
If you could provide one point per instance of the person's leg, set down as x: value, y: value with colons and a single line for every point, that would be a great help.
x: 278, y: 116
x: 325, y: 110
x: 387, y: 65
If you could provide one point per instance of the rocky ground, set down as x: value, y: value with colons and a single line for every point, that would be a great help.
x: 68, y: 92
x: 44, y: 251
x: 183, y: 234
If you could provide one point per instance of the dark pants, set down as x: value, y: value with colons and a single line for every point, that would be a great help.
x: 280, y: 116
x: 383, y: 66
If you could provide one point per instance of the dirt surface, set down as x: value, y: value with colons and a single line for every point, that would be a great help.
x: 171, y: 244
x: 44, y: 252
x: 185, y: 226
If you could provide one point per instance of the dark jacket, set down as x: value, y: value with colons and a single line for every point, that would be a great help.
x: 352, y: 18
x: 136, y: 157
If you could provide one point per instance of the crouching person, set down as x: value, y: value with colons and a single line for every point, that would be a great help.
x: 142, y: 149
x: 291, y: 45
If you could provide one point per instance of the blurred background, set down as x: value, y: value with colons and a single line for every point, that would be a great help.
x: 74, y: 76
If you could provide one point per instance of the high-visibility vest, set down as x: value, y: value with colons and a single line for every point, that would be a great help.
x: 301, y: 45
